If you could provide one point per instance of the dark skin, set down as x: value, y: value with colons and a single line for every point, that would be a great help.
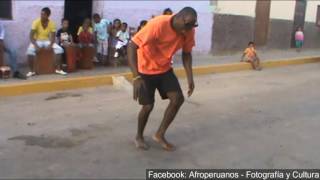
x: 44, y: 23
x: 176, y: 99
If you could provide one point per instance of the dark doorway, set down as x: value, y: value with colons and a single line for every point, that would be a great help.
x: 262, y: 22
x: 299, y: 18
x: 76, y: 12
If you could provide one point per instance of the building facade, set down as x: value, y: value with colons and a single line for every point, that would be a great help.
x: 271, y: 24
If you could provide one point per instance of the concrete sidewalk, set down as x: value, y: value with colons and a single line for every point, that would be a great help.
x: 198, y: 60
x: 203, y: 64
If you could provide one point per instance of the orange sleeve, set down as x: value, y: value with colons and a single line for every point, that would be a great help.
x: 189, y: 42
x: 147, y: 34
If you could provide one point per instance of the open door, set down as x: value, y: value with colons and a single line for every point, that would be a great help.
x: 262, y: 22
x: 76, y: 12
x: 299, y: 18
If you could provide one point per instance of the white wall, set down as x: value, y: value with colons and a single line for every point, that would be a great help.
x: 133, y: 12
x: 311, y: 12
x: 236, y: 7
x: 282, y: 9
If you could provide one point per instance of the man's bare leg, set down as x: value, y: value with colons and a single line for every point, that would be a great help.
x: 58, y: 60
x: 176, y: 100
x: 31, y: 62
x: 142, y: 121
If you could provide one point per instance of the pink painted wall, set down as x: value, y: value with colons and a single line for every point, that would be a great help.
x: 132, y: 12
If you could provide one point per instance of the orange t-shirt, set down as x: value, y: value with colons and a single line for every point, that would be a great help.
x: 250, y: 52
x: 158, y: 42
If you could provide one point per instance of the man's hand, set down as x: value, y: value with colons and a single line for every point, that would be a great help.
x: 138, y: 88
x: 191, y: 88
x: 37, y: 48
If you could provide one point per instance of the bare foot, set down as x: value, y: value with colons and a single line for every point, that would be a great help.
x: 163, y: 142
x: 141, y: 144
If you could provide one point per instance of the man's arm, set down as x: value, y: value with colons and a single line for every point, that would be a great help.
x: 138, y: 83
x: 52, y: 39
x: 132, y: 58
x: 187, y: 63
x: 32, y: 39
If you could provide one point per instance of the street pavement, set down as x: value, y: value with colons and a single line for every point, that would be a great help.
x: 247, y: 119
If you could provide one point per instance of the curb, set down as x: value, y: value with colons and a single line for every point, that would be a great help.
x: 101, y: 80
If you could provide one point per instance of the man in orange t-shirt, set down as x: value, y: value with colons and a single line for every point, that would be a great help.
x: 149, y: 55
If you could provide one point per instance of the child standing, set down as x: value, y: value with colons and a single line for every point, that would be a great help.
x: 250, y: 55
x: 299, y: 37
x: 123, y: 39
x: 101, y: 30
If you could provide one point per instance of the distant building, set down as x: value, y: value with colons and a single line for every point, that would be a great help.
x: 270, y: 24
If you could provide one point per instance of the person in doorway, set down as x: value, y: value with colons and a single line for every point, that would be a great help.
x: 64, y: 37
x: 149, y: 57
x: 250, y: 55
x: 299, y: 39
x: 42, y: 35
x: 86, y: 37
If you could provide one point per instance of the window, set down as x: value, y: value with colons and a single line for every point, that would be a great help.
x: 318, y: 16
x: 5, y: 9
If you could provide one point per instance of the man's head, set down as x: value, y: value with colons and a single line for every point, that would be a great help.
x: 167, y: 11
x: 96, y: 18
x: 251, y: 44
x: 65, y: 23
x: 185, y: 20
x: 45, y: 13
x: 124, y: 27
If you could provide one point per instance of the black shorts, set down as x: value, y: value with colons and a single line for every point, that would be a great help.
x: 166, y: 82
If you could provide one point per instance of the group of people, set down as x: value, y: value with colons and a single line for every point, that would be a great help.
x: 100, y: 33
x: 105, y: 36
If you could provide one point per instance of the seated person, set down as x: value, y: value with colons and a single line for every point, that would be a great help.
x: 42, y: 35
x: 86, y: 38
x: 250, y: 55
x: 86, y: 21
x: 123, y: 39
x: 11, y: 53
x: 64, y: 37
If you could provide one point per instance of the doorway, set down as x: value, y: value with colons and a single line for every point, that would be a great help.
x: 76, y: 12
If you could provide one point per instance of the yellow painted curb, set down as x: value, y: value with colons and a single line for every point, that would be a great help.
x: 100, y: 80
